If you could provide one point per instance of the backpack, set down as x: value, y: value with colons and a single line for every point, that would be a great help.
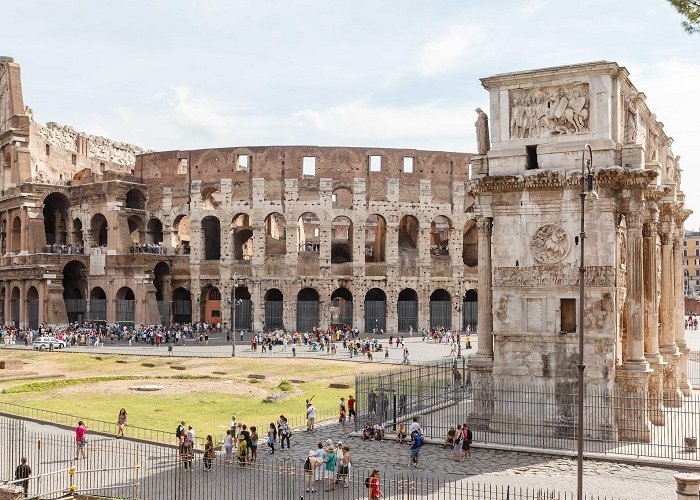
x: 367, y: 481
x: 179, y: 431
x: 307, y: 465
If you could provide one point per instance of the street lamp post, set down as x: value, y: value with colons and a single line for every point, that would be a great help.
x: 233, y: 316
x: 586, y: 189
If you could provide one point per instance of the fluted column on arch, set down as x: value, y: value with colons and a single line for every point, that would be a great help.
x: 679, y: 313
x: 667, y: 341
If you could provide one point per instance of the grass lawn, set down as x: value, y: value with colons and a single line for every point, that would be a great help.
x: 205, y: 403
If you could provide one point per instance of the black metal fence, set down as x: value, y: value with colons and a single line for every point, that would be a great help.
x: 542, y: 416
x: 127, y: 470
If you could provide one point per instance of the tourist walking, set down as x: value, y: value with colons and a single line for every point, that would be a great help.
x: 415, y: 447
x: 329, y: 473
x: 374, y: 490
x: 232, y: 426
x: 209, y: 453
x: 271, y: 438
x: 284, y: 431
x: 310, y: 465
x: 351, y: 408
x: 253, y: 443
x: 228, y: 447
x: 466, y: 441
x: 343, y: 420
x: 242, y: 452
x: 310, y: 416
x: 121, y: 423
x: 187, y: 452
x: 23, y: 471
x: 80, y: 440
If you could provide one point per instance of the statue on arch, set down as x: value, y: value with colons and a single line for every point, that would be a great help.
x: 483, y: 141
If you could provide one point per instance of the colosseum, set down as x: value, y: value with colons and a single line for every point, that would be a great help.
x: 279, y: 237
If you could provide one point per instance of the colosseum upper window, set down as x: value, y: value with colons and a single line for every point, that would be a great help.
x: 407, y: 164
x: 309, y: 166
x: 243, y: 163
x: 375, y: 163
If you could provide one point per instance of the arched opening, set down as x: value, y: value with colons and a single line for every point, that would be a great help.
x: 375, y: 238
x: 56, y: 219
x: 161, y: 281
x: 407, y: 308
x: 408, y: 233
x: 98, y: 228
x: 211, y: 234
x: 470, y: 252
x: 14, y: 307
x: 440, y: 236
x: 375, y: 310
x: 126, y: 306
x: 74, y: 290
x: 274, y: 309
x: 242, y: 237
x: 182, y: 305
x: 33, y: 308
x: 135, y: 199
x: 154, y: 232
x: 78, y: 241
x: 309, y: 233
x: 98, y: 305
x: 342, y: 198
x: 16, y: 235
x: 243, y: 308
x: 181, y: 235
x: 212, y: 305
x: 275, y: 234
x: 470, y: 310
x: 440, y: 309
x: 341, y: 314
x: 136, y: 229
x: 307, y: 309
x: 341, y: 240
x: 3, y: 237
x: 211, y: 199
x: 2, y: 306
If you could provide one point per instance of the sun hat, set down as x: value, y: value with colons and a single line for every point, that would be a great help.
x: 311, y: 453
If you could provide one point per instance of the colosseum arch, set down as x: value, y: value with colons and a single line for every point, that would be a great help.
x: 75, y: 289
x: 3, y: 236
x: 98, y: 304
x: 440, y: 309
x: 55, y: 213
x: 407, y: 309
x: 309, y: 233
x: 125, y: 306
x: 33, y: 308
x: 308, y: 309
x: 342, y: 198
x: 15, y: 304
x: 77, y: 237
x: 242, y: 237
x: 211, y: 236
x: 470, y: 310
x: 181, y: 233
x: 241, y: 300
x: 137, y: 229
x: 154, y: 231
x: 440, y: 236
x: 275, y: 234
x: 211, y: 199
x: 182, y: 305
x: 375, y: 238
x: 470, y: 253
x: 408, y: 233
x: 135, y: 199
x: 375, y: 310
x: 211, y: 304
x: 341, y: 299
x: 274, y: 309
x: 98, y: 228
x: 341, y: 240
x: 16, y: 234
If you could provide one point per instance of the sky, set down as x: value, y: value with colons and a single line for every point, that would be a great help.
x: 173, y: 74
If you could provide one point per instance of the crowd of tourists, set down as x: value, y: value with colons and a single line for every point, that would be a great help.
x: 63, y: 248
x: 156, y: 248
x: 691, y: 323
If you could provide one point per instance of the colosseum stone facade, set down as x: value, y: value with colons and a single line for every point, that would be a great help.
x: 290, y: 237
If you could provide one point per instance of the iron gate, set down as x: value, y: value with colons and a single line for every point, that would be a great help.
x: 375, y: 315
x: 125, y: 311
x: 244, y: 314
x: 33, y: 313
x: 98, y: 310
x: 440, y: 313
x: 344, y: 311
x: 274, y: 310
x: 182, y: 311
x: 14, y: 307
x: 469, y: 315
x: 75, y: 308
x: 164, y: 311
x: 307, y: 315
x: 408, y: 315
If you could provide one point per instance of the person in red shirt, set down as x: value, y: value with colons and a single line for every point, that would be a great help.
x: 374, y: 491
x: 351, y: 408
x: 80, y: 440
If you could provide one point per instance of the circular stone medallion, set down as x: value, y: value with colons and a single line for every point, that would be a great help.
x: 550, y: 244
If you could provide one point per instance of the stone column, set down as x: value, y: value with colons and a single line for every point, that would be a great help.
x: 687, y: 486
x: 680, y: 309
x: 632, y: 380
x: 651, y: 321
x: 667, y: 342
x: 482, y: 364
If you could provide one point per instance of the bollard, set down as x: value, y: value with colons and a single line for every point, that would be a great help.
x: 687, y: 486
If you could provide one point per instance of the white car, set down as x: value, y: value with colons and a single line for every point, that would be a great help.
x: 43, y: 343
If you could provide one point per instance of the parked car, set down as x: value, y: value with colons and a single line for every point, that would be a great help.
x: 43, y: 343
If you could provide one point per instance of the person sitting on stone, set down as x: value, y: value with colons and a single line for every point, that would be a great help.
x: 368, y: 432
x: 450, y: 439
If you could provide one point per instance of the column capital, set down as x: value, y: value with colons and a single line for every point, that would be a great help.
x: 484, y: 225
x: 649, y: 228
x: 666, y: 237
x: 634, y: 219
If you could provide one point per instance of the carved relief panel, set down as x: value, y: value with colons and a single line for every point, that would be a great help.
x: 550, y: 244
x: 548, y: 111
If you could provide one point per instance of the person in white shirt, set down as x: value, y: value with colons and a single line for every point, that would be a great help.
x: 415, y: 426
x: 310, y: 417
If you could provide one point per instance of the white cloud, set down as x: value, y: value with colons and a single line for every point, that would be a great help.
x: 195, y: 112
x: 458, y: 46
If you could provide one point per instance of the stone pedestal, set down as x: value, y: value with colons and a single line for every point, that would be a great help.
x: 632, y: 408
x: 683, y: 384
x: 687, y: 486
x: 481, y: 373
x: 672, y: 396
x: 633, y: 156
x: 480, y: 166
x: 655, y: 384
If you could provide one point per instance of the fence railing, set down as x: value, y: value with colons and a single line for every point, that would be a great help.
x: 144, y: 433
x: 131, y: 470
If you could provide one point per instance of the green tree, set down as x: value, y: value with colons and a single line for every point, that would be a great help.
x: 691, y: 10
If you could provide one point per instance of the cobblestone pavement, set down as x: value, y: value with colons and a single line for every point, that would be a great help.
x: 614, y: 480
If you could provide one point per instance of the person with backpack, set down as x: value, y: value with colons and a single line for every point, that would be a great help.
x: 310, y: 466
x: 466, y: 441
x: 180, y: 430
x: 457, y: 444
x: 417, y: 442
x: 372, y: 483
x: 284, y: 431
x: 272, y: 438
